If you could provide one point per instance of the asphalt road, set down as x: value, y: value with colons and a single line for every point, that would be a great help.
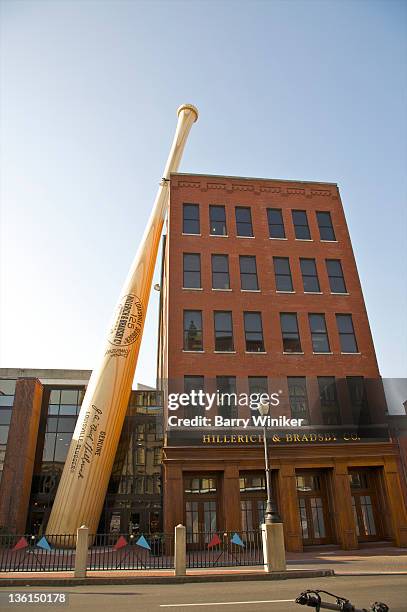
x: 246, y: 596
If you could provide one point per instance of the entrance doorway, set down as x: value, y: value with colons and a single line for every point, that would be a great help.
x: 252, y: 500
x: 313, y: 507
x: 365, y: 506
x: 201, y: 513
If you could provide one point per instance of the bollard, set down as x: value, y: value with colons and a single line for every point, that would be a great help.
x: 81, y: 557
x: 273, y: 547
x: 180, y: 552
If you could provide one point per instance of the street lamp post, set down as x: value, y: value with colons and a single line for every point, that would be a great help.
x: 271, y: 515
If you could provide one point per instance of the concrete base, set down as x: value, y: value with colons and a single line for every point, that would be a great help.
x: 273, y: 547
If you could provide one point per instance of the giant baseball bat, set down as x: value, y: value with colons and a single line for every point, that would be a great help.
x: 82, y: 489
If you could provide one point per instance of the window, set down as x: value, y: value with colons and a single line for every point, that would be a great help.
x: 7, y: 391
x: 190, y: 220
x: 193, y: 330
x: 301, y: 225
x: 192, y: 271
x: 335, y: 275
x: 276, y: 224
x: 309, y: 276
x: 297, y: 392
x: 290, y: 333
x: 220, y: 272
x: 243, y: 221
x: 200, y: 485
x: 358, y: 399
x: 319, y: 335
x: 326, y: 230
x: 194, y: 383
x: 253, y: 332
x: 248, y: 273
x: 63, y: 408
x: 346, y: 333
x: 282, y: 274
x: 226, y: 385
x: 223, y: 331
x: 217, y: 221
x: 329, y: 400
x: 258, y: 385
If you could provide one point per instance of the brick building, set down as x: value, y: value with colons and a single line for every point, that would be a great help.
x: 260, y: 291
x: 38, y: 413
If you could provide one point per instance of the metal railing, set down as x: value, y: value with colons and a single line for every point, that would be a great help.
x: 131, y: 552
x: 28, y: 553
x: 224, y: 549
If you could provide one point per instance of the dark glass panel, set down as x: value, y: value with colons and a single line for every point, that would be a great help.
x: 191, y: 223
x: 217, y: 218
x: 5, y: 416
x: 276, y: 224
x: 301, y: 224
x: 326, y: 230
x: 193, y: 330
x: 243, y: 222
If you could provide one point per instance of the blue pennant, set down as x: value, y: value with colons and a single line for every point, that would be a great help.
x: 43, y: 543
x: 143, y: 543
x: 237, y: 540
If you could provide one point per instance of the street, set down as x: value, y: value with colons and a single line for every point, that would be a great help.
x: 245, y: 596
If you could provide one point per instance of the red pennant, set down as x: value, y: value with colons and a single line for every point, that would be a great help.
x: 121, y: 543
x: 215, y: 541
x: 22, y: 543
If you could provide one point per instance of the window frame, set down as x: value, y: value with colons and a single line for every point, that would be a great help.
x: 248, y: 275
x: 272, y: 225
x: 323, y: 226
x: 336, y: 276
x: 283, y: 275
x: 190, y: 271
x: 291, y: 385
x: 334, y: 402
x: 244, y: 223
x: 186, y: 331
x: 290, y: 335
x: 217, y: 331
x: 247, y: 332
x: 316, y: 335
x: 341, y: 317
x: 305, y: 275
x: 225, y: 257
x: 301, y: 225
x: 212, y: 208
x: 186, y: 219
x: 227, y: 410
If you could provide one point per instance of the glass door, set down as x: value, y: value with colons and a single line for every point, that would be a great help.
x: 201, y: 518
x: 313, y: 507
x: 364, y: 504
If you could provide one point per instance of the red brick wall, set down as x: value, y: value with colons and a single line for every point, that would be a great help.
x: 260, y: 195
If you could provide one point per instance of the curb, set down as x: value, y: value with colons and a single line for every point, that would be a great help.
x: 235, y: 577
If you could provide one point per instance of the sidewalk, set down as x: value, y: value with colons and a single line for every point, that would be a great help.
x: 310, y: 564
x: 365, y: 561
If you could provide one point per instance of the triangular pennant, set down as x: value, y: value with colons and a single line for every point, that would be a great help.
x: 143, y: 543
x: 215, y: 541
x: 121, y: 543
x: 236, y: 539
x: 43, y: 543
x: 22, y: 543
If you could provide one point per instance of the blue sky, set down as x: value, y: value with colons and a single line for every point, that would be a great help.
x: 89, y: 90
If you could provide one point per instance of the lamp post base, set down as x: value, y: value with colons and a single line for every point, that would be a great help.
x: 271, y: 515
x: 273, y: 547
